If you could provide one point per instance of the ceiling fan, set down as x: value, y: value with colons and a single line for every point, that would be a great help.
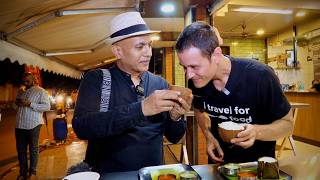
x: 240, y: 34
x: 245, y: 34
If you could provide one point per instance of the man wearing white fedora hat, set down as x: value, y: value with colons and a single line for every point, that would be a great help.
x: 125, y: 130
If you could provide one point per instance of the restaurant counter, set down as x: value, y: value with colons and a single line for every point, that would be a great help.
x: 308, y: 119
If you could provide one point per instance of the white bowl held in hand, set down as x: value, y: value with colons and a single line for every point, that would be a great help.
x: 83, y: 176
x: 228, y: 130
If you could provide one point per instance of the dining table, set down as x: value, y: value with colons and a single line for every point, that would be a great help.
x: 206, y: 172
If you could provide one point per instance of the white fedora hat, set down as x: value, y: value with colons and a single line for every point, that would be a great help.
x: 127, y: 25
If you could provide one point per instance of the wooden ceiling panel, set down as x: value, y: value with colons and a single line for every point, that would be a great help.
x: 234, y: 21
x: 166, y: 24
x: 287, y: 4
x: 231, y: 23
x: 83, y: 31
x: 16, y: 13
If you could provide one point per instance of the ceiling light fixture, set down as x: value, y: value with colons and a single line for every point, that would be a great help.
x: 155, y: 37
x: 66, y: 52
x: 263, y: 10
x: 301, y: 14
x: 167, y: 8
x: 92, y: 11
x: 103, y: 62
x: 260, y: 32
x: 80, y: 64
x: 109, y: 60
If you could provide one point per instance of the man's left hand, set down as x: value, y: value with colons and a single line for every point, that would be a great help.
x: 180, y: 108
x: 245, y: 138
x: 25, y: 103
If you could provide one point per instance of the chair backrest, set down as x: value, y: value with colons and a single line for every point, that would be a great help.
x: 183, y: 150
x: 295, y: 115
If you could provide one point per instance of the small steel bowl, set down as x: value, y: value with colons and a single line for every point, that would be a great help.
x: 188, y: 175
x: 230, y: 169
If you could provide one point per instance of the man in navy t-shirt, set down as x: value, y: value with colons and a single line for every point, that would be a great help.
x: 237, y: 90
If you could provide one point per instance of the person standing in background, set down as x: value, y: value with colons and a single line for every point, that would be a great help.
x: 32, y: 101
x: 314, y: 83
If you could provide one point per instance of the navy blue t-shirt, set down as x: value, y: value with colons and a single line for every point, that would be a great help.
x: 252, y: 95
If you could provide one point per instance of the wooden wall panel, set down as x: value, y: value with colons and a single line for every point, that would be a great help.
x: 308, y: 121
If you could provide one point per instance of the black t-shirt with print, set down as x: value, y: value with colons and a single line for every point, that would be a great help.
x: 252, y: 95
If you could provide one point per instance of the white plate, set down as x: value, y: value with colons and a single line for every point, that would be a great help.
x: 83, y: 176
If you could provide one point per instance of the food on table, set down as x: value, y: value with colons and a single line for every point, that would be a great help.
x: 247, y: 176
x: 268, y: 168
x: 167, y: 177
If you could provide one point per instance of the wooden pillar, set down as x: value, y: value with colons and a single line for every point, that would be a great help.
x: 201, y: 15
x: 190, y: 139
x: 168, y: 64
x: 195, y: 140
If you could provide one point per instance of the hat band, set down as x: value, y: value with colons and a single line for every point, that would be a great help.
x: 130, y: 30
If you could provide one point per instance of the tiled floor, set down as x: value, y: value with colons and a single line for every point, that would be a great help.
x: 55, y: 161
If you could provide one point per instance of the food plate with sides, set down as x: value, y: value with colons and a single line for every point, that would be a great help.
x: 169, y: 172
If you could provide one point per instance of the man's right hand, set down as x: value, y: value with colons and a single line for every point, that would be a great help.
x: 213, y: 148
x: 159, y: 101
x: 22, y: 103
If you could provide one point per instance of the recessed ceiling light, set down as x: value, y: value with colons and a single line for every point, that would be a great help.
x: 301, y: 13
x: 167, y: 8
x: 263, y: 10
x: 155, y: 37
x: 260, y: 32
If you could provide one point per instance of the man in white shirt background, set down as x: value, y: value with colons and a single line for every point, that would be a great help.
x: 32, y: 101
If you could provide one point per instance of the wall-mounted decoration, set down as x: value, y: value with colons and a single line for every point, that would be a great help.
x: 290, y: 58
